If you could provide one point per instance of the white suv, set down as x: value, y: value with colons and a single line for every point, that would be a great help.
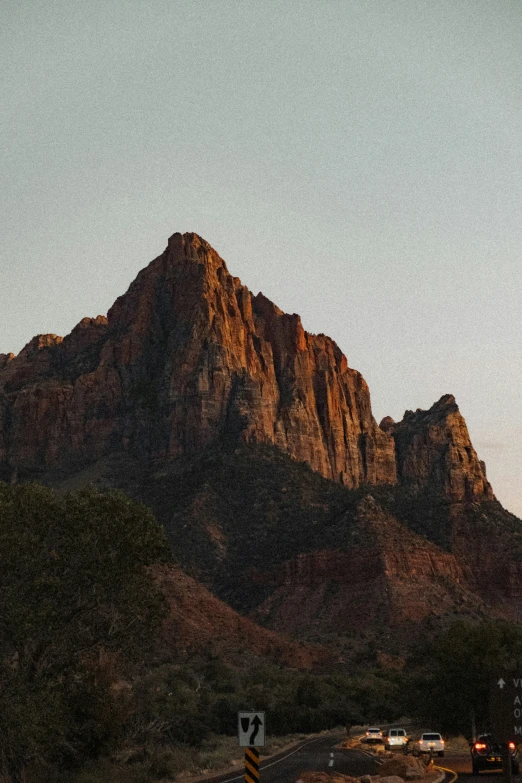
x: 430, y: 742
x: 395, y: 738
x: 373, y: 735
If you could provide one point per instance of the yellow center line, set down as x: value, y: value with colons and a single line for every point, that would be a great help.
x: 451, y: 771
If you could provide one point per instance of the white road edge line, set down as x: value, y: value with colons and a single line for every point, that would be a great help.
x: 370, y: 755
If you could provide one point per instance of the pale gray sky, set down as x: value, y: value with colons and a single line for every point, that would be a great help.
x: 359, y: 161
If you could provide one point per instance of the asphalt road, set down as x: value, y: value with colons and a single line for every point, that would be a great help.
x: 316, y: 756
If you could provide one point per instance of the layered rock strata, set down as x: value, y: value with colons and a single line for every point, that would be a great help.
x: 188, y: 356
x: 433, y: 447
x: 383, y: 576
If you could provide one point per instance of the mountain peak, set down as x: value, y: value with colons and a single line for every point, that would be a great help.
x: 447, y: 400
x: 192, y: 247
x: 387, y: 424
x: 433, y: 447
x: 188, y: 357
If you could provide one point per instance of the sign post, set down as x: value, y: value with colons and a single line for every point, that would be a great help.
x: 251, y: 765
x: 251, y: 736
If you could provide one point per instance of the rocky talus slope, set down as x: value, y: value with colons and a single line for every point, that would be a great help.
x: 393, y: 581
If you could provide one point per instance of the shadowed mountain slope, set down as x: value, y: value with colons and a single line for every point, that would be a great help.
x: 199, y: 623
x: 311, y: 558
x: 254, y: 443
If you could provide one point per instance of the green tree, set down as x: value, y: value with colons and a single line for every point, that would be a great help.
x: 75, y: 588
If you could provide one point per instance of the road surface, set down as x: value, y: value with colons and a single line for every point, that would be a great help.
x: 316, y: 755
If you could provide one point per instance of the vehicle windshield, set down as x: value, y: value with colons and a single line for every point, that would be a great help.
x: 431, y: 737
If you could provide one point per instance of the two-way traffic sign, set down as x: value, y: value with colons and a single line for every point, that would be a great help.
x: 251, y: 729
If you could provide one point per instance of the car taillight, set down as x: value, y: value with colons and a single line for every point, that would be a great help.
x: 512, y: 745
x: 479, y: 745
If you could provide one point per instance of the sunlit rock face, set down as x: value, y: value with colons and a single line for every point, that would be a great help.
x: 433, y: 447
x: 188, y: 356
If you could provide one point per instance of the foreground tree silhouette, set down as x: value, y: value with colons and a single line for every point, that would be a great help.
x: 75, y: 592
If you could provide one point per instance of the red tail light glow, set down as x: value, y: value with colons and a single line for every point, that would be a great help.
x: 512, y: 745
x: 480, y: 745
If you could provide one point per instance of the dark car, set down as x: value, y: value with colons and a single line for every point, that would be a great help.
x: 486, y: 754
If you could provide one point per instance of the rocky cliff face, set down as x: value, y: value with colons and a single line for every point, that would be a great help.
x: 189, y: 357
x: 186, y: 357
x: 433, y: 448
x: 487, y: 542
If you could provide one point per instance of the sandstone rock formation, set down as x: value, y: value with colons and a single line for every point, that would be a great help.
x: 186, y: 357
x: 488, y: 545
x: 433, y: 447
x: 189, y: 357
x: 385, y: 577
x: 387, y: 424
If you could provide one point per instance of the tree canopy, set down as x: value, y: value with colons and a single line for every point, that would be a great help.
x: 75, y: 589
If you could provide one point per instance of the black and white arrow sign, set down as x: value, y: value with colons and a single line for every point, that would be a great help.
x: 251, y: 729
